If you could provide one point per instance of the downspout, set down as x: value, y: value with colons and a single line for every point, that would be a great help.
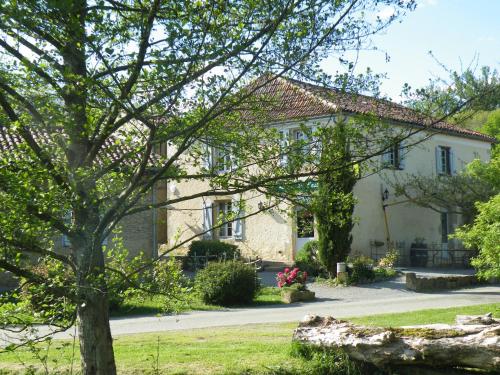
x: 387, y: 234
x: 384, y: 195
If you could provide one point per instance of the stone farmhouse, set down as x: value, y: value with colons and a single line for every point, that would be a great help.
x: 382, y: 218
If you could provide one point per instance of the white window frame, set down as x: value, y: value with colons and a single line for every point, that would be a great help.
x: 223, y: 209
x: 394, y: 158
x: 299, y: 136
x: 444, y: 161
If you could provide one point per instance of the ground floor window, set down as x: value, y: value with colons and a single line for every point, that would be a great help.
x: 444, y: 227
x: 224, y: 209
x: 305, y: 224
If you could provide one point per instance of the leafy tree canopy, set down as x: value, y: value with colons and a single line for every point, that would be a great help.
x: 460, y: 97
x: 90, y: 93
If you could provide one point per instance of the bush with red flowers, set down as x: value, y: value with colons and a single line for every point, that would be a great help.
x: 294, y: 277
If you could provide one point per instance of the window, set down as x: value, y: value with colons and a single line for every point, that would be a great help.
x: 444, y: 160
x: 297, y: 142
x: 394, y: 157
x: 223, y: 159
x: 305, y: 224
x: 224, y: 210
x: 283, y: 137
x: 218, y: 212
x: 445, y: 230
x: 302, y: 141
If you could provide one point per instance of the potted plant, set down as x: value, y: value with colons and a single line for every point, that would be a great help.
x: 293, y: 285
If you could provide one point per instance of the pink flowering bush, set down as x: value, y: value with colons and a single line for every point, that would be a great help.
x: 294, y: 277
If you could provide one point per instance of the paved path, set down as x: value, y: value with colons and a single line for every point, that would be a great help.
x: 376, y: 298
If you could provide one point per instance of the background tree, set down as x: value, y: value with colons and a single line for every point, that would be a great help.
x: 464, y: 98
x: 89, y: 91
x: 454, y: 194
x: 484, y: 235
x: 473, y: 192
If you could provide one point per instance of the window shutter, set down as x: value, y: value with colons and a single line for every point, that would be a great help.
x: 283, y: 147
x: 207, y: 219
x: 207, y: 156
x: 402, y: 155
x: 453, y: 170
x: 238, y: 223
x: 439, y: 162
x: 233, y: 158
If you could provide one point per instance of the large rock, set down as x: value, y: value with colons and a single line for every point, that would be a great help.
x: 472, y: 343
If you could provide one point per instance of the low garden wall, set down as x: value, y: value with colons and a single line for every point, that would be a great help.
x: 426, y: 284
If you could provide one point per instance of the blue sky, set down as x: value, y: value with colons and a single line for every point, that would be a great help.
x: 458, y: 32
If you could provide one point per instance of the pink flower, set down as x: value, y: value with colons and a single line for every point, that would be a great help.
x: 287, y: 270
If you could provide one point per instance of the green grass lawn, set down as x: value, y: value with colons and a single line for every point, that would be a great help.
x: 156, y: 305
x: 429, y: 316
x: 248, y: 349
x: 152, y: 305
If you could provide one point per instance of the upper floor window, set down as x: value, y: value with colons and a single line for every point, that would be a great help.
x: 223, y: 159
x: 394, y: 157
x: 298, y: 142
x: 444, y: 161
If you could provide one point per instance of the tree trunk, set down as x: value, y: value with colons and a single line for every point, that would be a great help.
x: 474, y: 342
x: 96, y: 343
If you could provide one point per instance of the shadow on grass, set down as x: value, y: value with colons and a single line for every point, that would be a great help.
x: 268, y: 297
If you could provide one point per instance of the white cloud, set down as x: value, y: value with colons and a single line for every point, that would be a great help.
x: 386, y: 13
x: 486, y: 39
x: 424, y: 3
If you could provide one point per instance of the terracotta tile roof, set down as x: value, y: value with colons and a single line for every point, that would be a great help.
x: 114, y: 148
x: 290, y: 99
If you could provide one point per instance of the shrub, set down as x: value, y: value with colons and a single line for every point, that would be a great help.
x: 307, y: 259
x: 163, y: 277
x: 361, y: 269
x: 213, y: 247
x: 389, y: 260
x: 227, y: 283
x: 384, y: 273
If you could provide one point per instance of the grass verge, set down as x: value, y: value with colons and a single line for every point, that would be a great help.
x: 247, y: 349
x: 155, y: 305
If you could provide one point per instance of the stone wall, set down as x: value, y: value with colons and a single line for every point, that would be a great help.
x: 429, y: 284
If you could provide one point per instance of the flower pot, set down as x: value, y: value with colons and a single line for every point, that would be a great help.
x: 289, y: 295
